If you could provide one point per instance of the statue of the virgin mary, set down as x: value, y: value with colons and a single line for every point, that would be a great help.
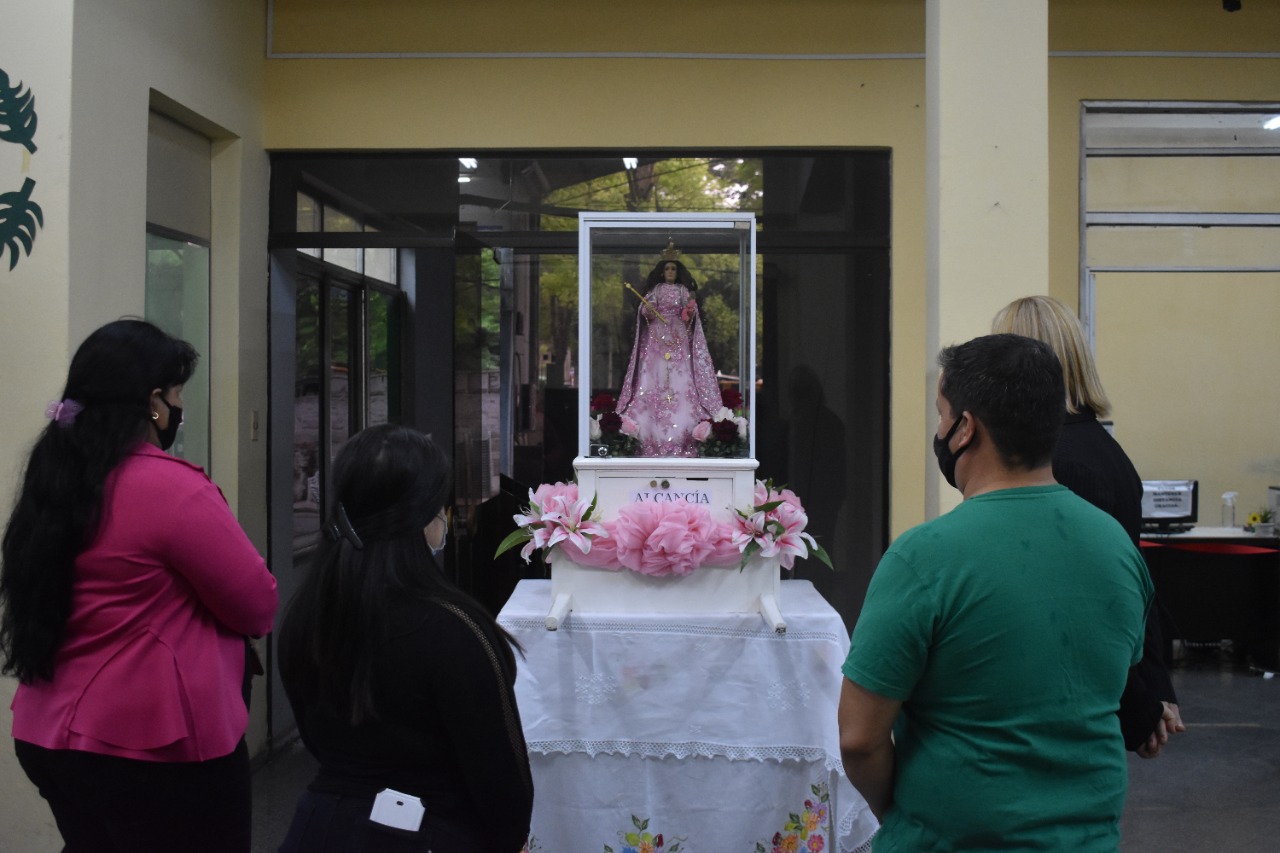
x: 670, y: 384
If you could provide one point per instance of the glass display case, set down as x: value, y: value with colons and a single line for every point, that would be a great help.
x: 666, y: 335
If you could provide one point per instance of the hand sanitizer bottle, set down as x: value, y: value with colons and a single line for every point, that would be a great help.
x: 1229, y: 509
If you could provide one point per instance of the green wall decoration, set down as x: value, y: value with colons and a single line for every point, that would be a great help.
x: 17, y: 114
x: 20, y: 217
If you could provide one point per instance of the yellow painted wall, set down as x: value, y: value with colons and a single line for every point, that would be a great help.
x: 580, y: 26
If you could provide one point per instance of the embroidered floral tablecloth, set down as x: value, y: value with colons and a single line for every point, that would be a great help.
x: 658, y: 733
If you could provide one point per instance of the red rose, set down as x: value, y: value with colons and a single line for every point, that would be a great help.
x: 731, y: 398
x: 602, y: 402
x: 612, y: 422
x: 726, y: 431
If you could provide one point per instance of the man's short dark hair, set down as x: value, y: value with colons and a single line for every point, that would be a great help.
x: 1014, y: 386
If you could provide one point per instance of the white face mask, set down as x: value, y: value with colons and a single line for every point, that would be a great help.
x: 437, y: 550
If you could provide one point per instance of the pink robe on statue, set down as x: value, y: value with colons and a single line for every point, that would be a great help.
x: 670, y: 385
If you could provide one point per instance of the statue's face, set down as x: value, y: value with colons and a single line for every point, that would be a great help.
x: 670, y: 272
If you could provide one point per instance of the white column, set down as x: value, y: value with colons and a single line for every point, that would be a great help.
x: 987, y: 172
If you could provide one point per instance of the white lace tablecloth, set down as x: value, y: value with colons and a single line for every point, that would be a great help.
x: 710, y: 731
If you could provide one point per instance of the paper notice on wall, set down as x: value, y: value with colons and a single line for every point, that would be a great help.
x: 1168, y: 498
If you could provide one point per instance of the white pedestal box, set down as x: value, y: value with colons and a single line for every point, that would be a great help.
x: 721, y: 486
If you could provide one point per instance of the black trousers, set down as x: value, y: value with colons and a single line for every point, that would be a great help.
x: 107, y: 804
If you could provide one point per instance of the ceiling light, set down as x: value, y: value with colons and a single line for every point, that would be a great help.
x: 468, y: 162
x: 464, y: 179
x: 1272, y: 123
x: 630, y: 162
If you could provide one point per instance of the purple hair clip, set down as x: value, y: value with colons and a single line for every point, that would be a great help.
x: 63, y: 412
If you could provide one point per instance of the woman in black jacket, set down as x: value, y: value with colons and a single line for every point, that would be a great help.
x: 398, y: 680
x: 1089, y: 462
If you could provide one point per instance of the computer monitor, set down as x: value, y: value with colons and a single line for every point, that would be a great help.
x: 1170, y: 505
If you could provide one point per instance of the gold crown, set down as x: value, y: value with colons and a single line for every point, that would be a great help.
x: 671, y: 253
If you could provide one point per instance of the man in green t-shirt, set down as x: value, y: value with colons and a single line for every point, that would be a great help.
x: 979, y: 703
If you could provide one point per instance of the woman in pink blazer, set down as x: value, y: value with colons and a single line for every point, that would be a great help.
x: 128, y: 591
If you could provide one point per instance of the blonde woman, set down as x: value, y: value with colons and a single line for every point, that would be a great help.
x: 1091, y: 463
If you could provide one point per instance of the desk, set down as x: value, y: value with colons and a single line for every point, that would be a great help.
x: 1219, y: 583
x: 709, y: 730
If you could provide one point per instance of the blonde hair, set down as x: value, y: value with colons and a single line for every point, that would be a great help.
x: 1046, y: 319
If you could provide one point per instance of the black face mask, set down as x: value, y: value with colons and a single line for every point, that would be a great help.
x: 946, y: 458
x: 170, y: 433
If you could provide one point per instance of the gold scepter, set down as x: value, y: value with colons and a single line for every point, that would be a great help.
x: 647, y: 303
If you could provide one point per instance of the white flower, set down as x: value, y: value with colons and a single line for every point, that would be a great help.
x: 742, y: 427
x: 725, y: 414
x: 593, y: 428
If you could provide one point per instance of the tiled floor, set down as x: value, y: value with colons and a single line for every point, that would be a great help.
x: 1216, y: 787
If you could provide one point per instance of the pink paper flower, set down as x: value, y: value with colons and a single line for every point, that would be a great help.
x: 629, y: 427
x: 702, y: 431
x: 665, y: 539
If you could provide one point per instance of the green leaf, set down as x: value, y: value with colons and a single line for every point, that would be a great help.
x: 17, y: 115
x: 747, y: 553
x: 516, y: 537
x: 608, y: 849
x: 818, y: 551
x: 770, y: 506
x: 19, y: 219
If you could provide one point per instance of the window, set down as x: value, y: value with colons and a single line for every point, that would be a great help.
x: 179, y: 175
x: 486, y: 298
x: 177, y: 300
x: 347, y: 355
x: 1180, y: 287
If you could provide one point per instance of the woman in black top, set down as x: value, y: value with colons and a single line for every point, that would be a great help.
x: 398, y: 680
x: 1089, y: 462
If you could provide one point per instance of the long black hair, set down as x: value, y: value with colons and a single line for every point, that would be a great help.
x: 59, y: 506
x: 389, y: 482
x: 683, y: 276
